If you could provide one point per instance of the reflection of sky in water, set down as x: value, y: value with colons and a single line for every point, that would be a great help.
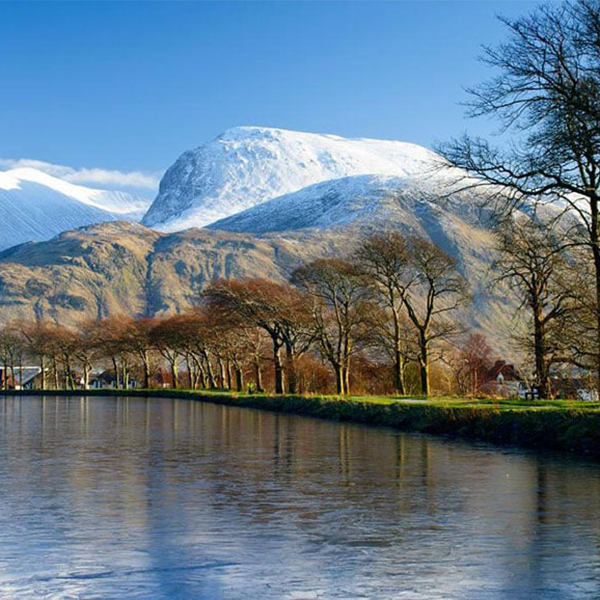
x: 112, y: 498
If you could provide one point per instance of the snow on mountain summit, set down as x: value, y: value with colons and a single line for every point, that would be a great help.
x: 36, y: 206
x: 246, y: 166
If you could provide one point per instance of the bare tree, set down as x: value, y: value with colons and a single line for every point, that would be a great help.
x: 169, y: 337
x: 86, y: 350
x: 12, y: 346
x: 574, y: 332
x: 385, y: 261
x: 341, y: 310
x: 531, y: 258
x: 137, y: 339
x: 547, y: 93
x: 433, y: 290
x: 39, y: 342
x: 259, y: 303
x: 65, y: 341
x: 471, y: 364
x: 110, y: 340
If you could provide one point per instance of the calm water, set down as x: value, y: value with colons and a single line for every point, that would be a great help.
x: 111, y: 498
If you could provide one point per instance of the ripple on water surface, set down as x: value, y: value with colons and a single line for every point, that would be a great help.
x: 105, y: 498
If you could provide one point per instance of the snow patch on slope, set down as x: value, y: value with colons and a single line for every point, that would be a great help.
x: 324, y: 205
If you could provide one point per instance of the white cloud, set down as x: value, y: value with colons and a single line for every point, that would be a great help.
x: 102, y: 178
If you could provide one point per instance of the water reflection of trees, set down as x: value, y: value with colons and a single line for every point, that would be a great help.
x: 198, y: 482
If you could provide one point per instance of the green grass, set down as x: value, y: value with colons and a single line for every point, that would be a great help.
x: 567, y: 425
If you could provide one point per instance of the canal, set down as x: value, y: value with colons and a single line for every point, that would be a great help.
x: 116, y: 498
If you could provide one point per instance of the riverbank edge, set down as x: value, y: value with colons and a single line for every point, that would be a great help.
x: 562, y: 429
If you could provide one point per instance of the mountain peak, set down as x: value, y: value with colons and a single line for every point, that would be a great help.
x: 248, y: 131
x: 248, y: 165
x: 12, y: 178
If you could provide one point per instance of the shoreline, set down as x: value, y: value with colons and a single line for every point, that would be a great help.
x: 574, y: 429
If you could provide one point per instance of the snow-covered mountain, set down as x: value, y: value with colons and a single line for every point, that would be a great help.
x: 35, y: 206
x: 269, y: 201
x: 247, y: 166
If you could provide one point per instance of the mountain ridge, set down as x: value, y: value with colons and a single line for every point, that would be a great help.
x: 35, y: 206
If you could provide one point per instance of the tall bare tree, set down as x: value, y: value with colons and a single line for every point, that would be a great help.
x: 341, y: 311
x: 112, y: 338
x: 39, y: 343
x: 169, y: 338
x: 532, y: 259
x: 546, y: 93
x: 385, y: 260
x: 136, y: 339
x: 260, y: 303
x: 433, y: 290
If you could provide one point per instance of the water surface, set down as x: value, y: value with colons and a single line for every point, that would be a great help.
x: 106, y: 498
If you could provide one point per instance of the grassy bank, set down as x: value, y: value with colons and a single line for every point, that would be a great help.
x: 565, y: 425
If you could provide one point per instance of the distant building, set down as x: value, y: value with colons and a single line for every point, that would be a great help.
x: 503, y: 379
x: 101, y: 379
x: 25, y: 378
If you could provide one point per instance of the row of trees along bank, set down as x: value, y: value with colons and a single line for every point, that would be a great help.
x: 391, y: 302
x: 394, y: 302
x: 374, y: 322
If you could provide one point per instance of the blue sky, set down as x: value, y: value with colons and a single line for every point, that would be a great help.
x: 128, y: 86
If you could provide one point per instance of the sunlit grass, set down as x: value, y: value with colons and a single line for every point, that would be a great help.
x: 553, y: 424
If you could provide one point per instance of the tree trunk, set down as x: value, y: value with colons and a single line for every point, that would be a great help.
x: 69, y: 374
x: 424, y: 362
x: 55, y: 373
x: 174, y: 375
x: 116, y: 369
x: 146, y: 367
x: 221, y: 374
x: 201, y: 377
x: 347, y: 378
x: 340, y: 379
x: 191, y: 373
x: 229, y: 378
x: 43, y: 372
x: 398, y: 358
x: 12, y: 371
x: 279, y: 378
x: 20, y: 371
x: 595, y: 239
x: 209, y: 371
x: 86, y: 376
x: 291, y: 366
x: 539, y: 344
x: 239, y: 379
x: 258, y: 376
x: 5, y: 373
